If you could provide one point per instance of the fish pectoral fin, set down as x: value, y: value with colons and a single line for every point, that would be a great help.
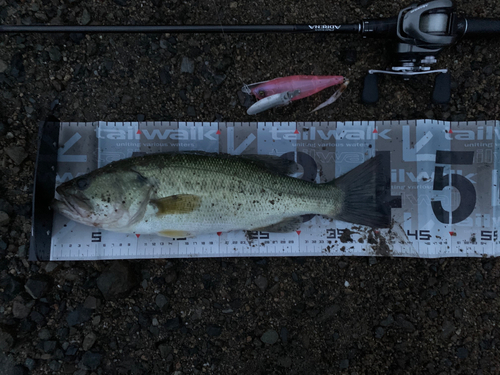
x: 289, y: 224
x: 174, y: 233
x: 176, y: 204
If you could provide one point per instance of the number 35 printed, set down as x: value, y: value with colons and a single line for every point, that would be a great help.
x: 463, y: 185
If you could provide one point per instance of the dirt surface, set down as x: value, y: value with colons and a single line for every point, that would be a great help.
x: 320, y: 315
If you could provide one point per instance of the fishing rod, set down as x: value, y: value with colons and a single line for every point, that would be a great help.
x: 421, y: 31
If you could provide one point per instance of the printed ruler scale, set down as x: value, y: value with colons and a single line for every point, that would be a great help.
x: 443, y: 193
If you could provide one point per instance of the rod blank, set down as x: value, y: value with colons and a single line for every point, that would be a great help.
x: 343, y: 29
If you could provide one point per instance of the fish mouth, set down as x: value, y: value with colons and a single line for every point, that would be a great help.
x: 73, y: 205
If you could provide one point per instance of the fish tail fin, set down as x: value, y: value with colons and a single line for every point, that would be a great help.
x: 365, y: 188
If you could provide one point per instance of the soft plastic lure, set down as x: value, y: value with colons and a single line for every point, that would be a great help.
x: 282, y: 91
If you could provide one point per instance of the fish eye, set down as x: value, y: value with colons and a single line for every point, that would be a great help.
x: 82, y: 183
x: 262, y: 93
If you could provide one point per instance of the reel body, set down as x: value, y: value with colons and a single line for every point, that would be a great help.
x: 422, y: 31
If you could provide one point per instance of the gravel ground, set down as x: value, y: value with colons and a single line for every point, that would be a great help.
x: 229, y: 316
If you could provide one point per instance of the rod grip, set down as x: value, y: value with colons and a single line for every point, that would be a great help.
x: 482, y: 26
x: 381, y: 27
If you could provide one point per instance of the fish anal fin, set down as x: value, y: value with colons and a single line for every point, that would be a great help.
x: 289, y: 224
x: 174, y: 233
x: 177, y: 204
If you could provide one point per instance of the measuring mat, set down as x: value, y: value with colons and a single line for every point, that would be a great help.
x: 443, y: 194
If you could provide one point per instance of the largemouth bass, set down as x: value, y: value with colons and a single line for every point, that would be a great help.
x: 185, y: 195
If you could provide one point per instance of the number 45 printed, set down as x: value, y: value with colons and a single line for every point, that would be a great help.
x: 462, y: 184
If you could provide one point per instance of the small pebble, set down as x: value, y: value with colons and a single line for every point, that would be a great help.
x: 462, y: 352
x: 344, y: 364
x: 89, y: 341
x: 214, y: 331
x: 269, y: 337
x: 44, y: 334
x: 261, y: 282
x: 4, y: 219
x: 90, y: 302
x: 3, y: 66
x: 30, y: 364
x: 16, y: 153
x: 187, y: 65
x: 161, y: 300
x: 85, y: 18
x: 55, y: 54
x: 51, y: 266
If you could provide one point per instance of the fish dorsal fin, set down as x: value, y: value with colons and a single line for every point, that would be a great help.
x: 289, y: 224
x: 176, y: 204
x: 273, y: 163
